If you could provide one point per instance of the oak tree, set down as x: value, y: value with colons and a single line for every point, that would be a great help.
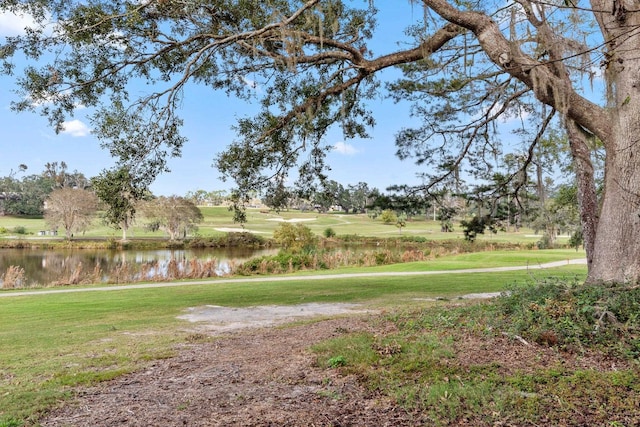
x: 175, y: 215
x: 120, y: 193
x: 72, y: 209
x: 465, y: 64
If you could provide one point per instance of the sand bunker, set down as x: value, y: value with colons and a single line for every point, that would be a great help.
x: 238, y: 230
x: 291, y: 219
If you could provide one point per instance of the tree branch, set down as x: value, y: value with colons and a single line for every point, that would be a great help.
x: 540, y: 77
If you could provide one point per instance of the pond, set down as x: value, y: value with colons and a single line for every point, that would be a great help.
x: 72, y: 266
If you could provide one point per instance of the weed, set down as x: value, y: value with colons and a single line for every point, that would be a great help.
x: 574, y: 316
x: 330, y: 394
x: 197, y: 337
x: 418, y: 364
x: 337, y: 362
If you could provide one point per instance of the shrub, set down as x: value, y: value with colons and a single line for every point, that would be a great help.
x: 545, y: 242
x: 389, y: 217
x: 244, y: 239
x: 18, y: 229
x: 576, y: 240
x: 283, y: 262
x: 294, y: 238
x: 329, y: 233
x: 571, y: 315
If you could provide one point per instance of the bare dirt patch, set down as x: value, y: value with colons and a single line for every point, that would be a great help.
x: 247, y: 377
x: 241, y: 373
x: 218, y: 318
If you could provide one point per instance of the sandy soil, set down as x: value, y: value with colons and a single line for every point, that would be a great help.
x: 217, y: 318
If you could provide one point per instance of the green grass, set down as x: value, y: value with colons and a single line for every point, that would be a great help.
x: 472, y: 260
x: 263, y: 223
x: 52, y: 343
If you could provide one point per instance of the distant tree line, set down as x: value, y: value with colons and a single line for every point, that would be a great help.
x: 71, y: 202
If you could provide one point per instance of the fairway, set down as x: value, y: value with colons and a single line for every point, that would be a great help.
x: 218, y: 221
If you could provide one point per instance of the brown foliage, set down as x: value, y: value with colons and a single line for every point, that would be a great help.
x: 13, y: 277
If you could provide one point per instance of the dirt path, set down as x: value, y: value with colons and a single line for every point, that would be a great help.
x: 290, y: 278
x: 250, y: 377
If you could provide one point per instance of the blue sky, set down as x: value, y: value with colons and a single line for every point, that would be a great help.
x: 208, y: 116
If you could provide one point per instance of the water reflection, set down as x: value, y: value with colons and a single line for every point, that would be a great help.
x: 43, y: 267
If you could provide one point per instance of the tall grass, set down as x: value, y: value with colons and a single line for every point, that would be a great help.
x: 13, y: 278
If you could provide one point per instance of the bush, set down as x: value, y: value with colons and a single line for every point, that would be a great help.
x: 329, y: 233
x: 18, y: 229
x: 572, y: 316
x: 389, y: 217
x: 576, y: 240
x: 294, y: 238
x: 244, y: 239
x: 545, y: 242
x: 283, y: 262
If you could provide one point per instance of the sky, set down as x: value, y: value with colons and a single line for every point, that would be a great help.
x: 27, y: 138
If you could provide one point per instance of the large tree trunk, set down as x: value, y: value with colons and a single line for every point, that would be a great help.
x: 617, y: 242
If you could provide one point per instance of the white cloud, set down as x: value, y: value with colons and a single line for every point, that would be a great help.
x: 13, y: 25
x: 344, y: 148
x: 250, y: 83
x: 75, y: 128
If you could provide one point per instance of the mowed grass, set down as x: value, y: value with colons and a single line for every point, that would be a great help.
x: 475, y: 260
x: 218, y: 220
x: 52, y: 343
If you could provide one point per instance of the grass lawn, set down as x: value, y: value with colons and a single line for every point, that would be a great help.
x: 477, y: 260
x: 51, y: 343
x: 261, y: 222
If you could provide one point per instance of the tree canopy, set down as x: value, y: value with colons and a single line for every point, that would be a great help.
x: 73, y: 209
x: 311, y: 64
x: 174, y: 215
x: 120, y: 192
